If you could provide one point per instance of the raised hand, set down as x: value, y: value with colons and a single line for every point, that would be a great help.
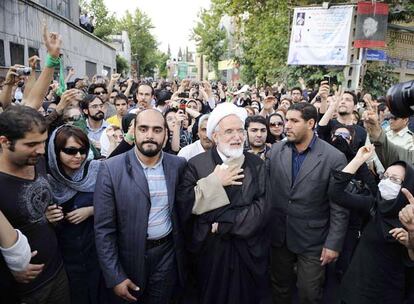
x: 52, y: 41
x: 33, y: 62
x: 365, y: 153
x: 406, y: 214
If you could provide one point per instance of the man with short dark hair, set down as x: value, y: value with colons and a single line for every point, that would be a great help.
x: 121, y: 105
x: 93, y: 109
x: 398, y: 132
x: 138, y: 239
x: 100, y: 90
x: 25, y: 196
x: 144, y: 96
x: 308, y: 229
x: 256, y: 135
x: 296, y: 94
x: 345, y: 104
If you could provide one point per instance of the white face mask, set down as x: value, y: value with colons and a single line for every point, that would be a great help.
x: 388, y: 189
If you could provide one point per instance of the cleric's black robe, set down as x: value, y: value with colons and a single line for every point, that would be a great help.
x: 230, y: 266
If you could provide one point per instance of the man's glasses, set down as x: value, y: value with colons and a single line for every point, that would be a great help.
x: 100, y: 93
x: 97, y: 106
x: 395, y: 180
x: 276, y: 124
x: 74, y: 151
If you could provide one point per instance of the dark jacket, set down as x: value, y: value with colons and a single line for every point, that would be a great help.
x: 302, y: 217
x: 122, y: 205
x: 377, y: 273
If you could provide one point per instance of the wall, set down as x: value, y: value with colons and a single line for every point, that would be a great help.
x: 21, y: 23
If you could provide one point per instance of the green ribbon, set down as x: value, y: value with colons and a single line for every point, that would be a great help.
x: 52, y: 62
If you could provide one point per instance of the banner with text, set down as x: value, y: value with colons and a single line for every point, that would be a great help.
x: 320, y: 36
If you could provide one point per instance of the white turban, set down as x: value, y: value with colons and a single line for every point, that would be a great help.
x: 220, y: 111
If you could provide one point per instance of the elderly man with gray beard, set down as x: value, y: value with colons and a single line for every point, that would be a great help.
x: 222, y: 206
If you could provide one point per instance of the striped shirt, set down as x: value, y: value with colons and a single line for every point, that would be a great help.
x: 159, y: 219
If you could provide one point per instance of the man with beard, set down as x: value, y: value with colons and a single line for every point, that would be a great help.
x: 308, y: 229
x: 256, y: 135
x: 222, y: 206
x: 144, y: 96
x: 93, y: 109
x: 202, y: 144
x: 137, y: 236
x: 25, y: 196
x: 345, y: 104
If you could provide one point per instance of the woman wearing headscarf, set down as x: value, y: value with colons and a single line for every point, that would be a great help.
x: 276, y: 125
x: 377, y: 273
x: 72, y: 178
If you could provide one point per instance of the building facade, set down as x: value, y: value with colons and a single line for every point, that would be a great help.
x: 21, y: 36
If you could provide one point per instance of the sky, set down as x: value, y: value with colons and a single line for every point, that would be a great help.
x: 173, y: 19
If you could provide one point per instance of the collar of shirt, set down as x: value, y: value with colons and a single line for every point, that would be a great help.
x: 310, y: 146
x: 104, y: 125
x: 144, y: 166
x: 402, y: 132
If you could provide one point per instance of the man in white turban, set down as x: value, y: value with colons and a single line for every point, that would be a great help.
x: 221, y: 203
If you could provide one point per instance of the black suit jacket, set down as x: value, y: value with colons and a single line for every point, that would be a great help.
x: 122, y: 204
x: 302, y: 215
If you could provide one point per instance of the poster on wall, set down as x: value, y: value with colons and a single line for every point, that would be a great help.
x: 371, y: 25
x: 320, y: 36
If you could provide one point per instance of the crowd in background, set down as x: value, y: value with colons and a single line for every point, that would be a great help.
x: 93, y: 121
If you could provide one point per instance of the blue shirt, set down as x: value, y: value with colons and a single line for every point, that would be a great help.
x: 299, y: 157
x: 159, y: 219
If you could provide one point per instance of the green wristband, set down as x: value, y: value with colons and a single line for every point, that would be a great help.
x: 52, y: 62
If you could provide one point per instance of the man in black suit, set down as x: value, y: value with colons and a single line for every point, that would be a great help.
x: 307, y: 228
x: 137, y: 236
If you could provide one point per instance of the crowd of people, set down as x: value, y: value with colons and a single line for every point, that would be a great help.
x: 143, y: 191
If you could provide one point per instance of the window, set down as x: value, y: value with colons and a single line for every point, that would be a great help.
x: 16, y: 53
x: 90, y: 68
x: 2, y: 59
x: 34, y: 52
x: 60, y: 7
x: 108, y: 69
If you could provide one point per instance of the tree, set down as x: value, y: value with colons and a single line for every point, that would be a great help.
x: 209, y: 37
x: 378, y: 79
x: 104, y: 21
x: 262, y: 30
x: 143, y: 43
x: 162, y: 63
x: 122, y: 65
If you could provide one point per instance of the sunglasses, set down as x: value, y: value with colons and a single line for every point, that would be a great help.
x: 276, y: 124
x: 100, y: 93
x: 74, y: 151
x: 344, y: 135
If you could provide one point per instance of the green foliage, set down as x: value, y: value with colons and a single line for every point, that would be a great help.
x: 210, y: 38
x: 143, y: 43
x: 378, y: 79
x: 162, y: 64
x: 261, y: 34
x: 104, y: 21
x: 313, y: 75
x: 122, y: 65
